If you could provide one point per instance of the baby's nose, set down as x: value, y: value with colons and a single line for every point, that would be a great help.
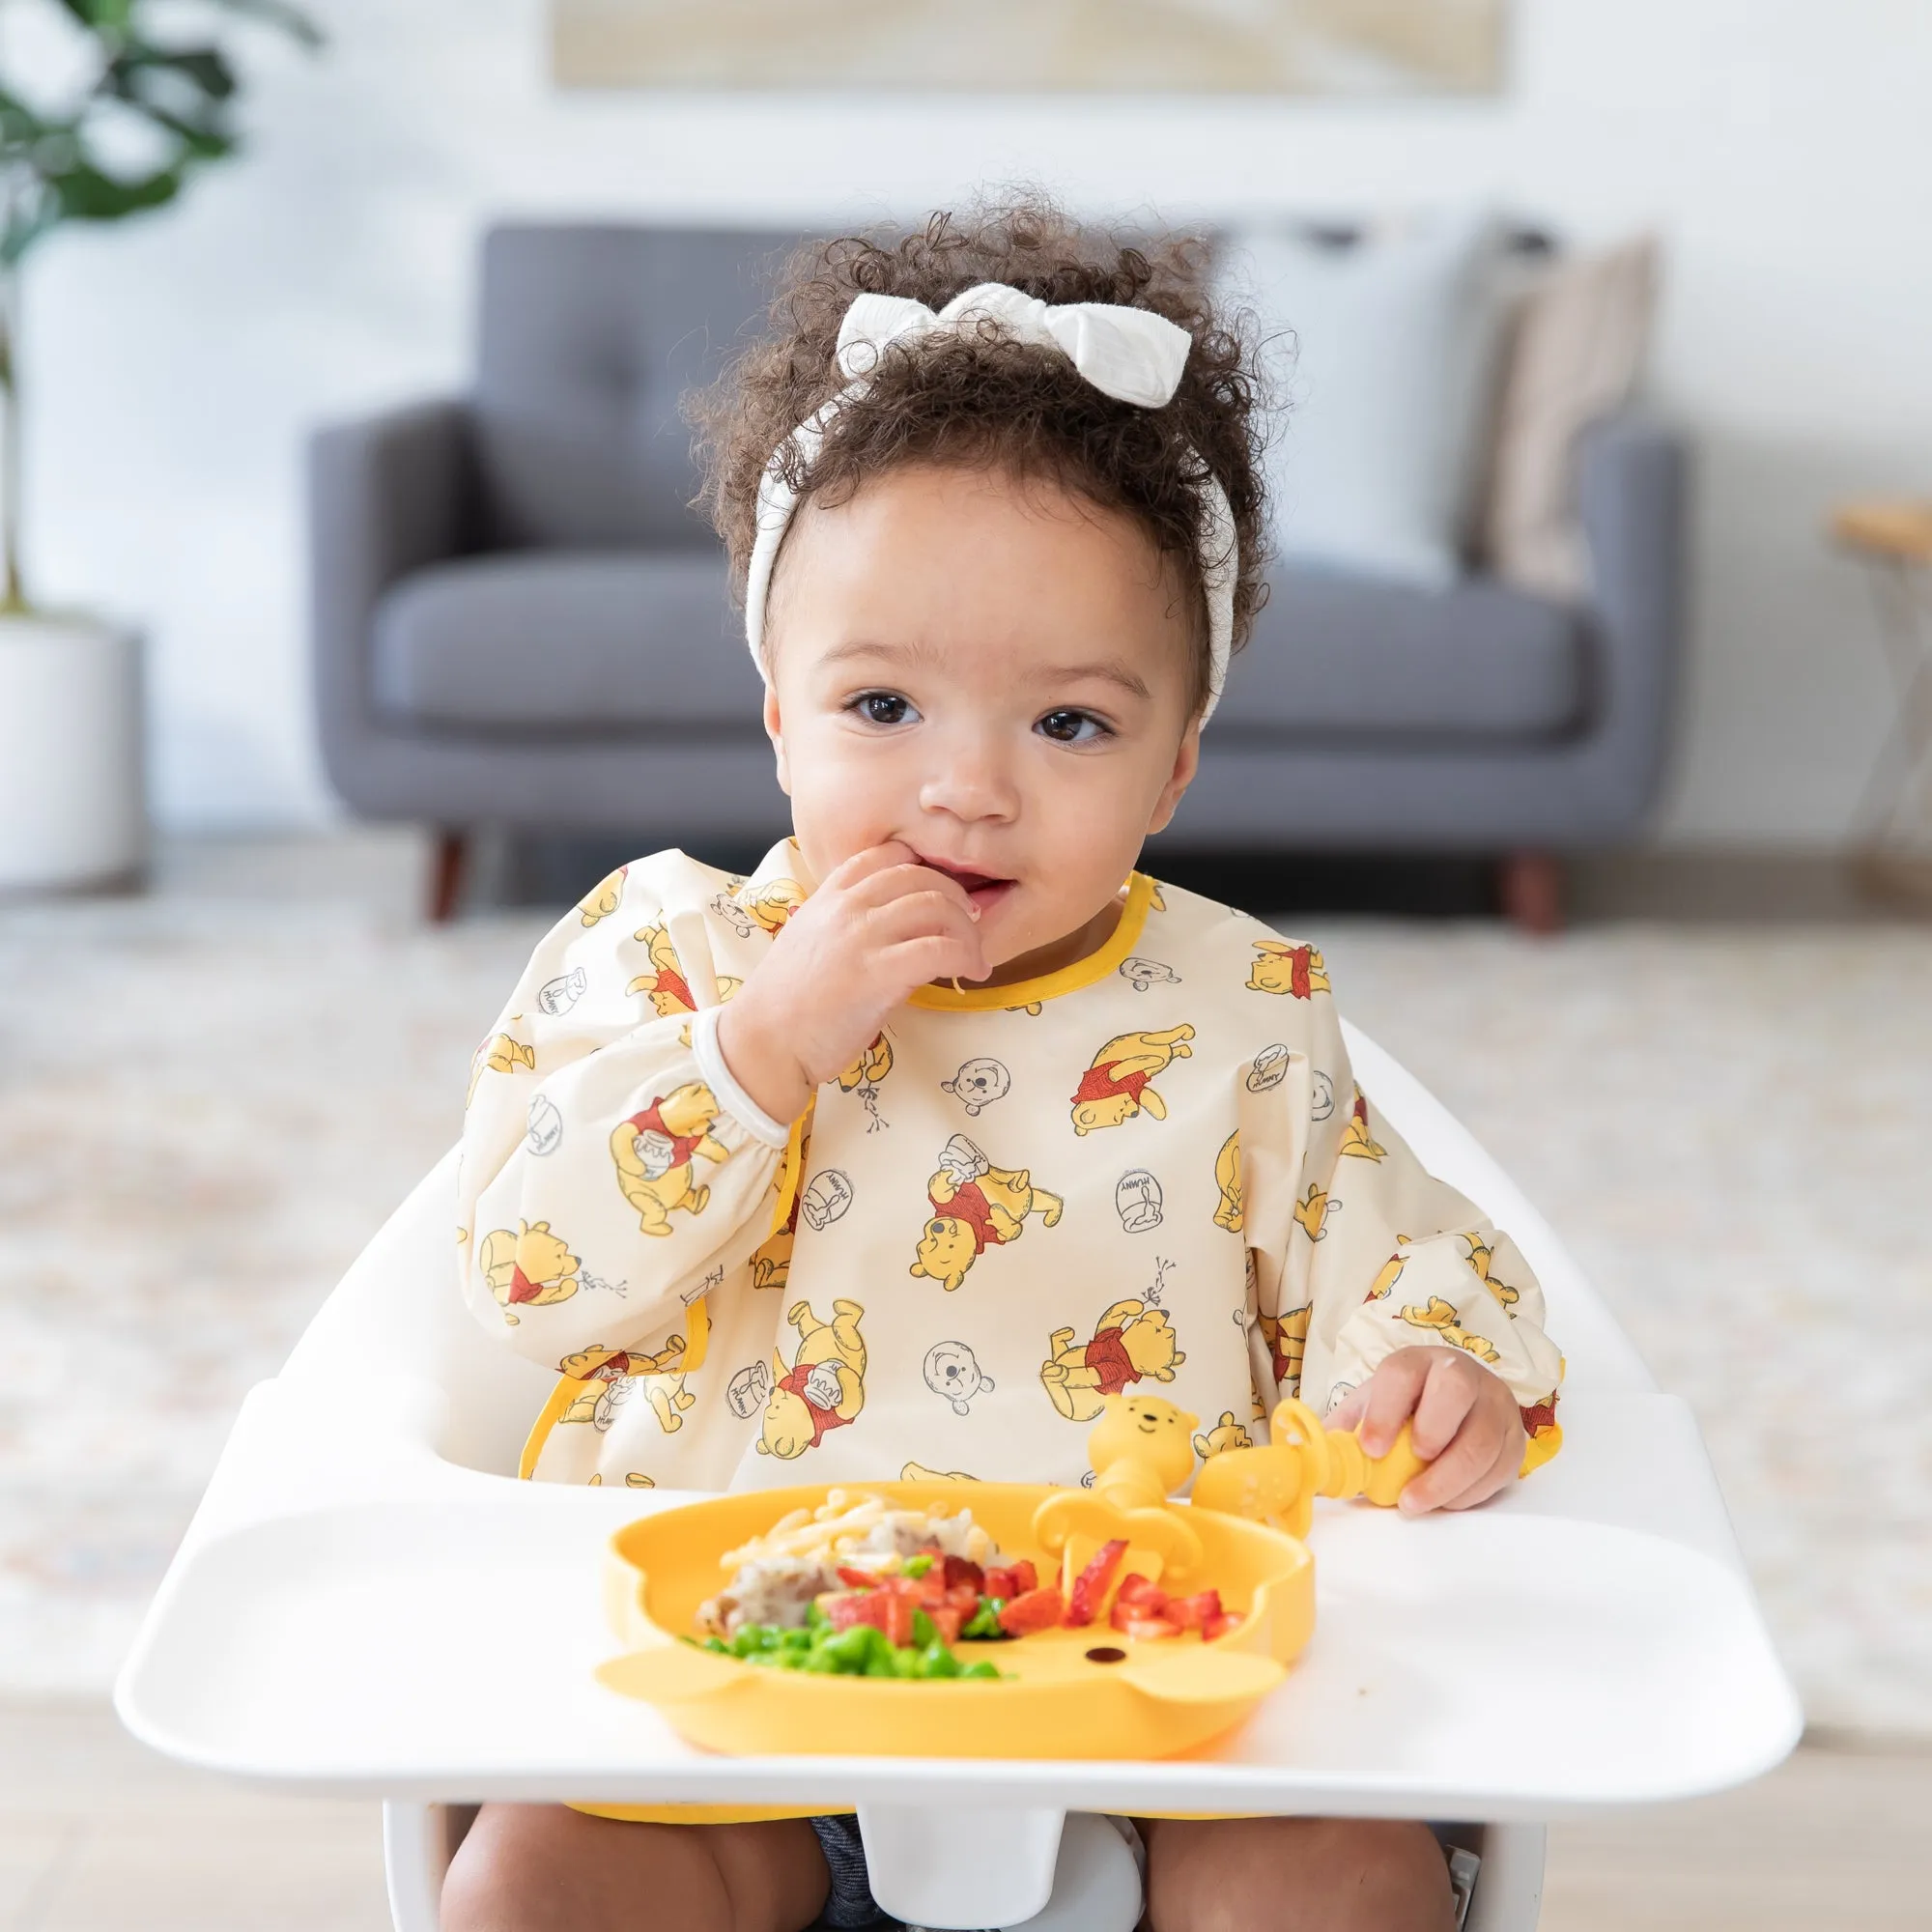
x: 972, y: 779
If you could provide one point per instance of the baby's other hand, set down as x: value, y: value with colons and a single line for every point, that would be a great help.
x: 1467, y: 1424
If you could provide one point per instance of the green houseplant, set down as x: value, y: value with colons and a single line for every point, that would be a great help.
x: 150, y: 102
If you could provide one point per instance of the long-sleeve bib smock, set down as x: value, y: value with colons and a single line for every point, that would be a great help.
x: 1149, y: 1172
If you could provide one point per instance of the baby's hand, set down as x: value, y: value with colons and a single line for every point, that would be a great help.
x: 878, y: 927
x: 1467, y: 1424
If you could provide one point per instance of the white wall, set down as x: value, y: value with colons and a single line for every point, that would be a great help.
x: 1784, y: 148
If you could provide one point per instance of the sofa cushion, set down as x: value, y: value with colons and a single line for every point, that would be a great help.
x: 1578, y: 344
x: 1376, y: 461
x: 589, y: 336
x: 565, y: 642
x: 1341, y: 654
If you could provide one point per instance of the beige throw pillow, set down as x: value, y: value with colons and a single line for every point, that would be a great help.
x: 1578, y: 347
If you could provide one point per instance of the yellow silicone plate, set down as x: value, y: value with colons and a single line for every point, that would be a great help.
x: 1167, y: 1695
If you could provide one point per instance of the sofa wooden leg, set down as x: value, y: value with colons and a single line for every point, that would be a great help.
x: 1530, y: 885
x: 447, y: 875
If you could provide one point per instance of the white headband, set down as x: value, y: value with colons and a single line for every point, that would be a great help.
x: 1129, y: 354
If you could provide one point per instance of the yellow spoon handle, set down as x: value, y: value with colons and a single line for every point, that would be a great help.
x: 1337, y: 1462
x: 1353, y: 1472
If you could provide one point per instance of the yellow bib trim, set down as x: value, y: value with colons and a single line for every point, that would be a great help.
x: 1540, y: 1448
x: 698, y: 1340
x: 707, y: 1814
x: 1097, y: 965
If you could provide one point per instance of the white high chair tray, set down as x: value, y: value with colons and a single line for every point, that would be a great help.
x: 358, y: 1609
x: 438, y: 1642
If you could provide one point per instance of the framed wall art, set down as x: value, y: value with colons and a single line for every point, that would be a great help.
x: 1165, y: 47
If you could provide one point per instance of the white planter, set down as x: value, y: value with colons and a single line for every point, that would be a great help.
x: 72, y: 803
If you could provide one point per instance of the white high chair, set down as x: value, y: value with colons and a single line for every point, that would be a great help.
x: 363, y: 1606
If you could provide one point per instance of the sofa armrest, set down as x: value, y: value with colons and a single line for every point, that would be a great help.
x: 1633, y: 498
x: 386, y: 495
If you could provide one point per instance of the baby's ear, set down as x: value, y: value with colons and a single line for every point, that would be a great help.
x: 775, y: 731
x: 1186, y: 762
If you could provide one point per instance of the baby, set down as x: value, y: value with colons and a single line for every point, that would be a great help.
x: 904, y: 1152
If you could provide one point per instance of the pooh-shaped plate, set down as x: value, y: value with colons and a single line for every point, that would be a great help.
x: 1074, y: 1693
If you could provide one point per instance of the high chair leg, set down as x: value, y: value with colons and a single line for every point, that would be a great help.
x: 418, y: 1842
x: 1508, y: 1888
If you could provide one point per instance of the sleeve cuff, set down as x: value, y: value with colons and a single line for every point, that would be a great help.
x: 723, y: 1083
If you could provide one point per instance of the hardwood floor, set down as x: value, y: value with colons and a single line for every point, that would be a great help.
x: 99, y: 1836
x: 1832, y: 1841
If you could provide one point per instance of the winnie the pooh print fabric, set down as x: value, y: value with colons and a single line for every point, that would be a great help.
x: 1150, y: 1174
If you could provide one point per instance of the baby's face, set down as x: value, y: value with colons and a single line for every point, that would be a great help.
x: 996, y: 675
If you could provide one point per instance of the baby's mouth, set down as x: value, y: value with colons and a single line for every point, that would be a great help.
x: 982, y: 888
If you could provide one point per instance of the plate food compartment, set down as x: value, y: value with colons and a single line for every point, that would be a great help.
x: 1090, y: 1693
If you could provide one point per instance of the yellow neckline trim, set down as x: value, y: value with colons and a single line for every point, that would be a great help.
x: 1097, y: 965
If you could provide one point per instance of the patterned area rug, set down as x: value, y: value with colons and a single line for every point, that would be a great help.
x: 207, y: 1106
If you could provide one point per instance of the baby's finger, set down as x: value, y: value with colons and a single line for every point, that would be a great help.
x: 1463, y: 1464
x: 854, y: 871
x: 929, y: 956
x: 1499, y: 1475
x: 1448, y: 1395
x: 907, y: 879
x: 1390, y: 1396
x: 1349, y: 1411
x: 920, y: 913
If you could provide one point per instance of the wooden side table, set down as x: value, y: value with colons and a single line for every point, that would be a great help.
x: 1894, y: 818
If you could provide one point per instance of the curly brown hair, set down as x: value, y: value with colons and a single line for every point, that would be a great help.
x: 981, y: 398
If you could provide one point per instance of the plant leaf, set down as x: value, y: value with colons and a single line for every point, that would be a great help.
x: 86, y: 194
x: 291, y: 20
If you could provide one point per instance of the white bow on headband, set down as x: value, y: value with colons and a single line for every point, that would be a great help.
x: 1129, y: 354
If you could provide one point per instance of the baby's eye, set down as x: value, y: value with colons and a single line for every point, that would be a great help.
x: 1073, y: 727
x: 882, y: 707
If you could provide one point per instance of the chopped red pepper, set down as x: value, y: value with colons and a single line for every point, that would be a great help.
x: 1193, y: 1612
x: 1025, y: 1578
x: 1154, y: 1604
x: 1150, y: 1627
x: 947, y: 1619
x: 1032, y: 1610
x: 860, y: 1580
x: 886, y: 1610
x: 1215, y: 1627
x: 1138, y: 1589
x: 1001, y: 1583
x: 962, y: 1570
x: 1091, y: 1586
x: 895, y: 1619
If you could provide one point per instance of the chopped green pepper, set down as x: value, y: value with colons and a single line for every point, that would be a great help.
x: 985, y: 1622
x: 862, y: 1650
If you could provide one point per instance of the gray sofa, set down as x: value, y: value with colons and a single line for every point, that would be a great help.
x: 518, y: 621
